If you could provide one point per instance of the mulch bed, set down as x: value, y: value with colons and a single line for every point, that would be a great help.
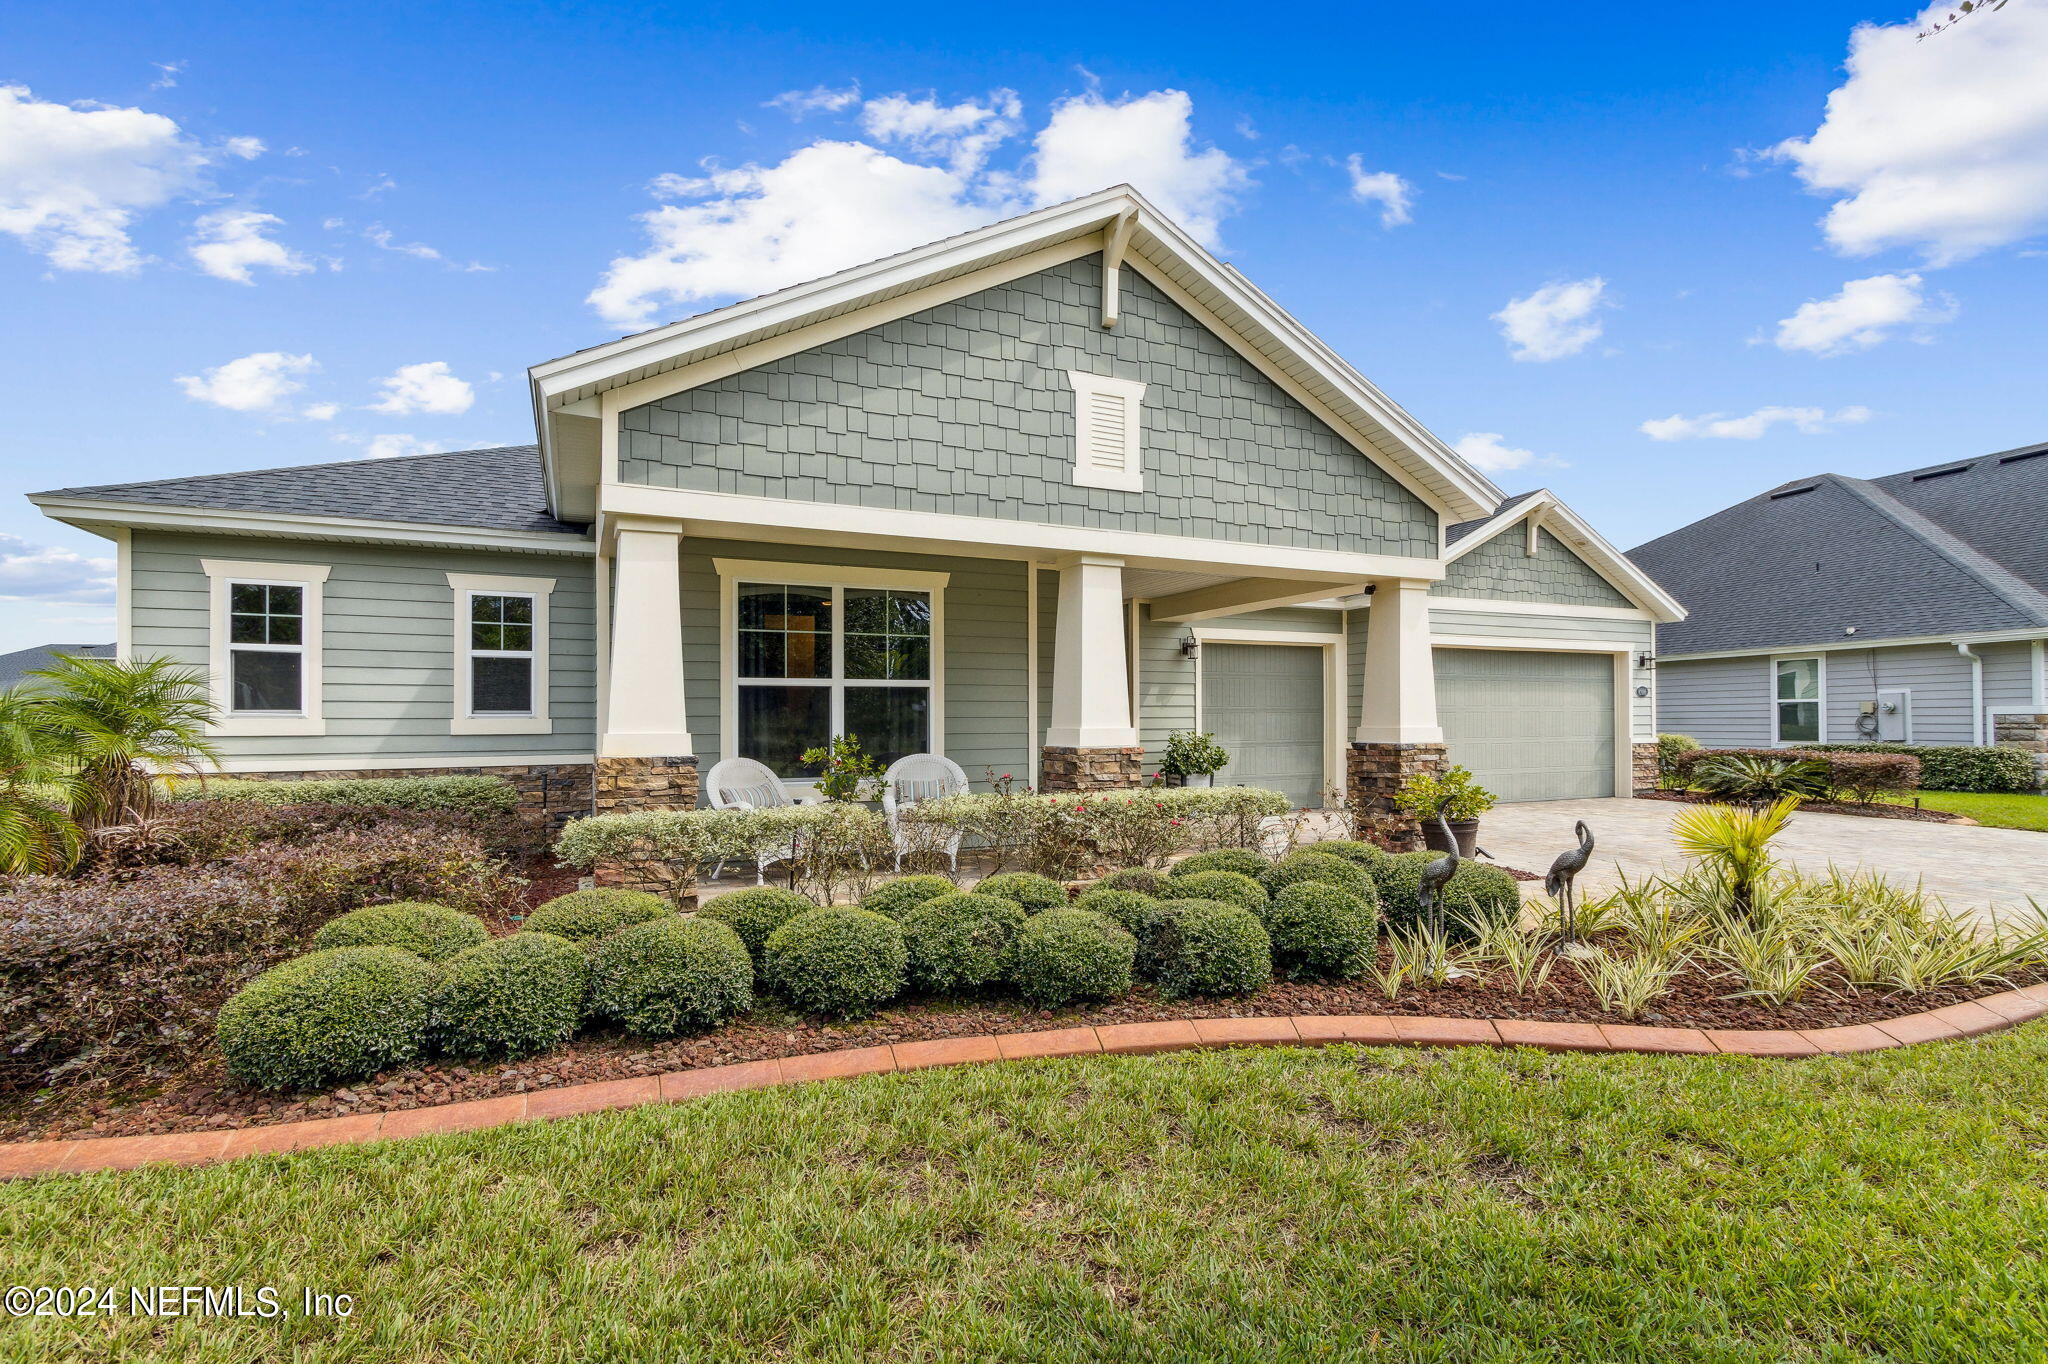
x: 1827, y: 807
x: 204, y: 1099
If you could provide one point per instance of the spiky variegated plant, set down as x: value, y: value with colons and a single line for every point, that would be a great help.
x: 125, y: 727
x: 37, y: 788
x: 1736, y: 844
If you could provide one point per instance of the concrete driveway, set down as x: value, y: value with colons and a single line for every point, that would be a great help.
x: 1968, y: 867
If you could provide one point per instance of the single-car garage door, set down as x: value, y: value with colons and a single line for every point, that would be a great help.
x: 1264, y: 704
x: 1530, y: 725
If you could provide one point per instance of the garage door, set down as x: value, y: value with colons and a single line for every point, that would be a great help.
x: 1264, y: 703
x: 1531, y: 726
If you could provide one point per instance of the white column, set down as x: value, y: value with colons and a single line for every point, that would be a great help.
x: 1400, y: 675
x: 644, y: 716
x: 1091, y: 691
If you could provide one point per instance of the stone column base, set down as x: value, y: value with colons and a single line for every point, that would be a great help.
x: 1090, y: 769
x: 635, y: 785
x: 1376, y: 771
x: 1645, y: 773
x: 2029, y: 732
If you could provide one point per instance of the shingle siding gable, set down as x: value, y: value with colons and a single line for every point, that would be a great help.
x: 1502, y: 568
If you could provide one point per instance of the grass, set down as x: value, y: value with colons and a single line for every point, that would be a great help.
x: 1345, y: 1204
x: 2000, y: 809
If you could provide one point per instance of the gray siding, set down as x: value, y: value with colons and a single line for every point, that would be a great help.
x: 966, y: 408
x: 1502, y: 568
x: 1166, y: 681
x: 389, y: 665
x: 1722, y: 702
x: 1354, y: 667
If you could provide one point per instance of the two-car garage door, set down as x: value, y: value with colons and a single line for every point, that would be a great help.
x: 1530, y: 725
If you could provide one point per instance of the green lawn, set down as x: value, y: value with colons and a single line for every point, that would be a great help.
x: 1345, y: 1203
x: 2002, y: 809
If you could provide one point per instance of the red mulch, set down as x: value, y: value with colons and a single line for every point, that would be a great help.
x: 204, y: 1098
x: 1828, y: 807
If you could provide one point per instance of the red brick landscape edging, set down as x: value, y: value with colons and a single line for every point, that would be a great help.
x: 80, y: 1155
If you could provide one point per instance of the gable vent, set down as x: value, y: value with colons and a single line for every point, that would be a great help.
x: 1107, y: 420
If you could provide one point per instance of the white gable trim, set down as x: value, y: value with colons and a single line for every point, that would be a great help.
x: 1544, y: 508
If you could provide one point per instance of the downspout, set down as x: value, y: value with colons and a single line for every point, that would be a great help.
x: 1976, y: 693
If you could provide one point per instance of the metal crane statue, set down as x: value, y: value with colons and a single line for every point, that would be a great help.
x: 1558, y: 883
x: 1429, y: 892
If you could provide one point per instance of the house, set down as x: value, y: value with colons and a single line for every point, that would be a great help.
x: 18, y: 665
x: 1034, y: 497
x: 1909, y: 608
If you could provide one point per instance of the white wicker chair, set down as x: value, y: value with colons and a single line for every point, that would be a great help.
x: 745, y: 784
x: 920, y: 777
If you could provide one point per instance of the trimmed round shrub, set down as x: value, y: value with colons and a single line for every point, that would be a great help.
x: 1205, y: 947
x: 1064, y: 956
x: 842, y: 963
x: 756, y: 913
x: 671, y: 975
x: 512, y: 995
x: 960, y: 942
x: 1474, y: 890
x: 1032, y: 891
x: 1129, y: 910
x: 1143, y: 880
x: 1296, y: 868
x: 1232, y: 888
x: 1320, y: 932
x: 1243, y: 861
x: 337, y: 1014
x: 897, y: 898
x: 1356, y: 851
x: 435, y: 932
x: 584, y: 915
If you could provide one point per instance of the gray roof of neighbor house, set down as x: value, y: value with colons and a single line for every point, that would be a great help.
x: 498, y: 488
x: 1953, y: 548
x: 22, y: 662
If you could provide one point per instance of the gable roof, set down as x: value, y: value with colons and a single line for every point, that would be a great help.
x: 1618, y: 569
x: 498, y: 488
x: 1954, y: 548
x: 19, y: 664
x: 1114, y: 220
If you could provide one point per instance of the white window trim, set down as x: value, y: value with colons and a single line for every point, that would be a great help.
x: 1820, y: 664
x: 310, y: 720
x: 733, y: 572
x: 1088, y: 386
x: 465, y: 586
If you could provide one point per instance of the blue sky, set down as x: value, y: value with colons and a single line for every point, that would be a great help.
x: 235, y: 238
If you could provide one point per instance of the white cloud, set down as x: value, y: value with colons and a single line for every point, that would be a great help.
x: 964, y: 134
x: 1555, y: 321
x: 254, y: 383
x: 1146, y: 141
x: 817, y: 99
x: 248, y: 148
x: 73, y: 178
x: 228, y: 244
x: 1811, y: 421
x: 1489, y: 452
x: 1864, y: 313
x: 320, y: 412
x: 1940, y: 145
x: 392, y: 446
x: 1393, y: 194
x: 167, y: 74
x: 425, y: 387
x: 31, y: 572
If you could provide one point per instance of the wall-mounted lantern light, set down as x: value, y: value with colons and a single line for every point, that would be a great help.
x: 1646, y: 661
x: 1190, y: 647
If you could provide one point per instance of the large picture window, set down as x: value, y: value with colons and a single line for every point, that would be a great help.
x: 815, y: 661
x: 1798, y: 700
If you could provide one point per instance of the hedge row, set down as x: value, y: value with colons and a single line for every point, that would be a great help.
x: 1961, y: 768
x: 1839, y: 774
x: 476, y: 795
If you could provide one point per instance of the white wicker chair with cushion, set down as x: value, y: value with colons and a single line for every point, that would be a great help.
x: 745, y: 784
x: 920, y: 777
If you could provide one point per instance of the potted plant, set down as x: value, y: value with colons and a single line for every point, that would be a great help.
x: 1192, y: 759
x: 1455, y: 796
x: 846, y: 771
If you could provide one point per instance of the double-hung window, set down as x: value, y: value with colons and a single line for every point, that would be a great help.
x: 501, y: 654
x: 1798, y: 700
x: 850, y: 652
x: 265, y: 622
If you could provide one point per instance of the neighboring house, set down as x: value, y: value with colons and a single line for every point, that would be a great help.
x: 19, y: 664
x: 1912, y: 607
x: 1034, y: 497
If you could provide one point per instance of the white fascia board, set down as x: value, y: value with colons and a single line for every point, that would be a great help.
x: 88, y: 514
x: 1860, y: 642
x: 1586, y: 542
x: 736, y: 517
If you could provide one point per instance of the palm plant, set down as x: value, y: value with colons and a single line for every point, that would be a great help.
x: 1735, y: 843
x: 37, y: 833
x: 124, y: 727
x: 1755, y: 781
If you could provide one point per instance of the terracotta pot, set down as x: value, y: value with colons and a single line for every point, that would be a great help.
x: 1466, y: 830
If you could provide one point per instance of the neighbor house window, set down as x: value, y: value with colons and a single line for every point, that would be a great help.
x: 852, y: 654
x: 1798, y: 700
x: 501, y: 654
x: 265, y: 623
x: 1106, y: 430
